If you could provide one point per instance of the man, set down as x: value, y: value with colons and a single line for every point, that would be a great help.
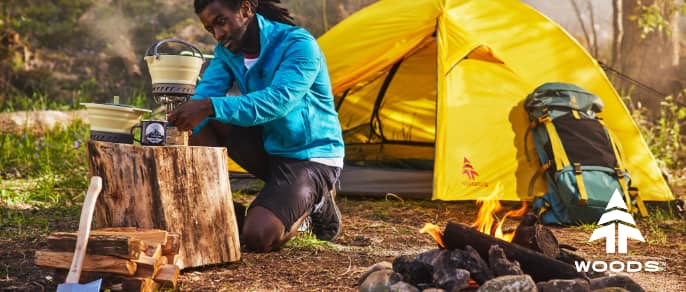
x: 283, y: 128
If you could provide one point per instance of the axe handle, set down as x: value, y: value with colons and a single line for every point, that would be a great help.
x: 84, y: 229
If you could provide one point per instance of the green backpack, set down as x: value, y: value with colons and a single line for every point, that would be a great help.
x: 579, y: 160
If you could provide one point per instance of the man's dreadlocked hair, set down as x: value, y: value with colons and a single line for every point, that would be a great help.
x: 270, y: 9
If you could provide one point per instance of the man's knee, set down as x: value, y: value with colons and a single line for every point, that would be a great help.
x: 262, y: 231
x: 260, y: 239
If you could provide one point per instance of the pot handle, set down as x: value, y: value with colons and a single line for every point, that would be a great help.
x: 156, y: 45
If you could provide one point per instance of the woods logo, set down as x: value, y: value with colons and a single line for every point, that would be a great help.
x: 617, y: 226
x: 471, y: 173
x: 468, y: 169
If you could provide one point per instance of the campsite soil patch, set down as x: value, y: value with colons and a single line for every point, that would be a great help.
x: 375, y: 229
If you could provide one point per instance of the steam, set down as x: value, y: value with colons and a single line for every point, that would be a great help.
x: 107, y: 23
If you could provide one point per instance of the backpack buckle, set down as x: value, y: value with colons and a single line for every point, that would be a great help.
x: 619, y: 172
x: 577, y: 168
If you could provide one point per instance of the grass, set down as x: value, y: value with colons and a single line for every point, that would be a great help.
x: 42, y: 180
x: 307, y: 241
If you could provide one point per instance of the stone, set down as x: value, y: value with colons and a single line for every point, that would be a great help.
x: 433, y: 290
x: 431, y: 257
x: 499, y: 263
x: 451, y: 279
x: 510, y: 283
x: 375, y: 267
x: 621, y: 281
x: 380, y: 281
x: 469, y: 259
x: 403, y: 287
x: 611, y: 289
x: 413, y: 271
x: 571, y: 285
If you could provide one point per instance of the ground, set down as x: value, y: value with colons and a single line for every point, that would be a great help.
x: 375, y: 229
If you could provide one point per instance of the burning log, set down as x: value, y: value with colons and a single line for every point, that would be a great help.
x: 538, y: 265
x: 538, y: 238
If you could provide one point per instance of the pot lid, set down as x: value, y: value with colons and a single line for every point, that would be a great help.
x: 115, y: 107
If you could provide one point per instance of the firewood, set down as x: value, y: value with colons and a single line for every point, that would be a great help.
x: 93, y: 263
x: 149, y: 262
x: 173, y: 244
x: 98, y: 244
x: 538, y: 238
x: 538, y: 265
x: 147, y: 235
x: 168, y: 276
x: 181, y: 189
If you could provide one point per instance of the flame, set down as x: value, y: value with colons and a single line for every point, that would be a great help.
x: 435, y: 232
x: 488, y: 222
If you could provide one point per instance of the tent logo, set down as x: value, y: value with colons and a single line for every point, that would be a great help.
x: 621, y: 221
x: 619, y: 215
x: 468, y: 169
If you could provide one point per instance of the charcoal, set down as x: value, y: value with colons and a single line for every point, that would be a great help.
x: 413, y: 271
x: 499, y: 263
x: 450, y: 279
x: 469, y: 259
x: 431, y: 257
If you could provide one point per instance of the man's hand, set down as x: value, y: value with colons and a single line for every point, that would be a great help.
x: 191, y: 113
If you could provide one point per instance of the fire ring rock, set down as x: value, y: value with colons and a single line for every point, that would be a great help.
x: 511, y: 283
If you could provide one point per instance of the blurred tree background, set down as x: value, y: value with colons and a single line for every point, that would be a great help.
x: 57, y: 53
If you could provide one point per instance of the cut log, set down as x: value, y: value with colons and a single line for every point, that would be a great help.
x: 103, y: 244
x: 173, y: 244
x: 168, y: 276
x: 149, y: 262
x: 538, y: 265
x: 538, y: 238
x: 181, y: 189
x: 147, y: 235
x: 91, y: 263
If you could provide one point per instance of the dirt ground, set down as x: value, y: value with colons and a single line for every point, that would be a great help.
x: 375, y: 229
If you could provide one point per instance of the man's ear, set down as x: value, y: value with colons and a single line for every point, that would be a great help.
x: 247, y: 9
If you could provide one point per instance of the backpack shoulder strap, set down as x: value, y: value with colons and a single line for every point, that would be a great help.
x: 560, y: 156
x: 620, y: 175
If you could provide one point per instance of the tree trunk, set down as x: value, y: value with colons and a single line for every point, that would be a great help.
x: 651, y: 59
x: 617, y: 32
x: 175, y: 188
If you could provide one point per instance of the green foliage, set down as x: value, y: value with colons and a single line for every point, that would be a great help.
x: 662, y: 132
x: 654, y: 18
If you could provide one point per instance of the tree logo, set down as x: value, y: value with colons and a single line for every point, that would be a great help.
x: 619, y: 220
x: 468, y: 169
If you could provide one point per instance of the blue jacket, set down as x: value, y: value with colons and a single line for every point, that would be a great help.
x: 287, y: 91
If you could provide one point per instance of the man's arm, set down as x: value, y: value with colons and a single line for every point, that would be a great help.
x: 292, y: 80
x: 215, y: 80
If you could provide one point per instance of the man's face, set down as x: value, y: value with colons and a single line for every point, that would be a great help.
x: 227, y: 26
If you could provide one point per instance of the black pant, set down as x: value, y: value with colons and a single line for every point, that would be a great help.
x: 292, y: 187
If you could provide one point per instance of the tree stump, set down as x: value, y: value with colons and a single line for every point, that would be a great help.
x: 180, y: 189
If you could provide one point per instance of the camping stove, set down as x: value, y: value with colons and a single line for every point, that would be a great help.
x: 174, y: 67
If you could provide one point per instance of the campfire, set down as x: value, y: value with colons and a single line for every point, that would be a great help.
x: 486, y: 257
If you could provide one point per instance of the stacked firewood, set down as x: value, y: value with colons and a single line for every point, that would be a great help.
x: 125, y: 258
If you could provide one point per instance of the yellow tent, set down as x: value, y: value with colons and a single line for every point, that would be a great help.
x: 445, y: 80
